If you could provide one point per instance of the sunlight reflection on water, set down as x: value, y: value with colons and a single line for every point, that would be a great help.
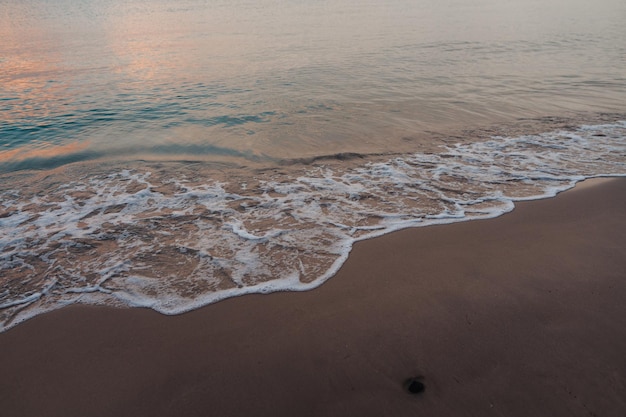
x: 290, y: 78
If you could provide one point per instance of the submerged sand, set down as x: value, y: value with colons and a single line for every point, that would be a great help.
x: 523, y: 315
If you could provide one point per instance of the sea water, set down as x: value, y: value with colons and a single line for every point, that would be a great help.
x: 172, y: 154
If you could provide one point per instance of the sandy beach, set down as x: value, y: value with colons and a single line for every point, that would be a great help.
x: 522, y: 315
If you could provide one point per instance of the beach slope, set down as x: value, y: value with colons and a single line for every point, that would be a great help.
x: 522, y: 315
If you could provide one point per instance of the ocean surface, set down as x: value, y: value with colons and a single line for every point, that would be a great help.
x: 172, y: 154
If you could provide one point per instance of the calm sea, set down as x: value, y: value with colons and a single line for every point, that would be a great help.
x: 170, y: 154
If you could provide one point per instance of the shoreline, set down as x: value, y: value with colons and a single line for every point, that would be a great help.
x: 577, y: 185
x: 176, y: 237
x: 516, y: 315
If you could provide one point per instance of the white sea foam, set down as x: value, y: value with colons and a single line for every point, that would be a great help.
x: 165, y: 240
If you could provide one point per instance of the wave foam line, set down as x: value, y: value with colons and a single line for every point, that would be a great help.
x: 178, y: 239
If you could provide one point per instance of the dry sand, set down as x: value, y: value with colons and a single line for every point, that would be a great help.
x: 523, y: 315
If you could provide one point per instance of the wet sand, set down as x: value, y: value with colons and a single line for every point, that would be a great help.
x: 523, y: 315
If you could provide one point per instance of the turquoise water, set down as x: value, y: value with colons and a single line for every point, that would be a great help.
x: 172, y: 154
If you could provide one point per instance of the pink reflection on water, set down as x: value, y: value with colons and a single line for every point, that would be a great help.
x: 48, y: 152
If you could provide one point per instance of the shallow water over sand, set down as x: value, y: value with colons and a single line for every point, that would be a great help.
x: 174, y: 236
x: 172, y: 155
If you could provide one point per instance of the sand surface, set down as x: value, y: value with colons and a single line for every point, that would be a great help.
x: 523, y: 315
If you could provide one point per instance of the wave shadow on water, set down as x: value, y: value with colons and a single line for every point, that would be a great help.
x: 166, y: 152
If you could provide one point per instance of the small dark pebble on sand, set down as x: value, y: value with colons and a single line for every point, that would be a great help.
x: 414, y: 386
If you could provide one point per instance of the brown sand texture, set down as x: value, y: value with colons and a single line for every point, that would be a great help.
x: 523, y: 315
